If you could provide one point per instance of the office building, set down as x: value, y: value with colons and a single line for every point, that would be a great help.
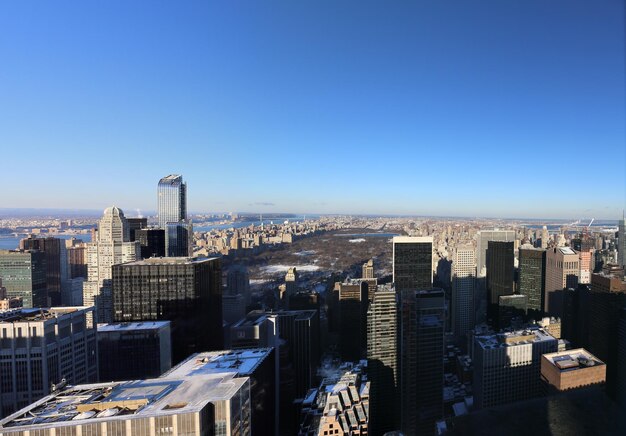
x: 607, y: 300
x: 353, y: 302
x: 621, y: 240
x: 257, y: 329
x: 135, y: 350
x: 238, y: 282
x: 562, y: 269
x: 77, y: 258
x: 507, y: 366
x: 422, y: 327
x: 367, y: 270
x: 412, y: 262
x: 340, y: 406
x: 56, y: 263
x: 202, y: 405
x: 257, y: 365
x: 40, y: 348
x: 291, y: 282
x: 300, y: 329
x: 135, y: 224
x: 463, y: 288
x: 151, y: 242
x: 572, y: 369
x: 23, y: 274
x: 172, y: 216
x: 482, y: 242
x: 500, y: 273
x: 112, y: 246
x: 382, y: 360
x: 187, y: 292
x: 233, y: 308
x: 532, y: 278
x: 512, y: 307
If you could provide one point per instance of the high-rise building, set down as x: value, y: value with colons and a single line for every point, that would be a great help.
x: 500, y: 273
x: 353, y: 302
x: 111, y: 247
x: 56, y: 266
x: 172, y: 215
x: 40, y: 348
x: 151, y: 242
x: 23, y: 274
x: 300, y: 329
x: 256, y: 364
x: 422, y: 328
x: 621, y: 239
x: 463, y: 283
x: 532, y: 278
x: 238, y: 282
x: 255, y: 330
x: 562, y: 270
x: 507, y: 366
x: 412, y: 262
x: 200, y: 405
x: 340, y: 406
x: 482, y: 242
x: 511, y: 307
x: 291, y: 281
x: 382, y: 360
x: 136, y: 350
x: 172, y: 200
x: 368, y: 269
x: 607, y: 300
x: 135, y: 224
x: 187, y: 292
x: 77, y: 258
x: 233, y: 308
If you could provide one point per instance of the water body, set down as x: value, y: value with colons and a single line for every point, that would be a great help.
x: 242, y: 224
x: 11, y: 242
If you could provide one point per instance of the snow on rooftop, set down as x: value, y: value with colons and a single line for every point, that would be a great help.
x: 241, y: 362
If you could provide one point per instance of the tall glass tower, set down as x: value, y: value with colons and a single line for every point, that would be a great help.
x: 172, y: 192
x: 172, y: 200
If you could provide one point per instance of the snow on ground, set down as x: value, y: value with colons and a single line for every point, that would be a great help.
x: 355, y: 241
x: 275, y: 269
x: 306, y: 253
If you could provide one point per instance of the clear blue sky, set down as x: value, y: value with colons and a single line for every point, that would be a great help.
x: 466, y: 108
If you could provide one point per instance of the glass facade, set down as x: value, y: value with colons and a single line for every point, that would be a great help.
x: 24, y: 275
x: 172, y: 201
x: 412, y: 265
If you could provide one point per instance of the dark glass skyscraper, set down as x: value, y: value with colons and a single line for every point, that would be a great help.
x: 187, y: 292
x: 23, y: 275
x: 353, y: 302
x: 55, y: 253
x: 500, y: 273
x: 422, y: 326
x: 532, y: 278
x: 152, y: 242
x: 412, y: 262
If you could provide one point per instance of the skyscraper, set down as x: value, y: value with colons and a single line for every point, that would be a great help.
x: 621, y: 249
x: 482, y: 242
x: 172, y: 214
x: 23, y: 274
x: 500, y: 273
x: 382, y: 360
x: 421, y: 364
x: 56, y: 263
x: 412, y: 262
x: 463, y: 283
x: 532, y: 278
x: 187, y: 292
x: 353, y: 302
x: 172, y: 204
x: 111, y: 247
x: 368, y: 269
x: 562, y: 270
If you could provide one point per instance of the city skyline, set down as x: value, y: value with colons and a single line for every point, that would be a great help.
x: 465, y: 110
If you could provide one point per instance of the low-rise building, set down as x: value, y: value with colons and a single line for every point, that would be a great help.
x: 572, y: 369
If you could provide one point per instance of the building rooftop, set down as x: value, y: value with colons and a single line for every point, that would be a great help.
x: 171, y: 179
x: 241, y: 362
x: 572, y: 360
x: 132, y: 326
x: 566, y: 250
x: 412, y: 239
x: 251, y: 319
x: 38, y: 314
x: 170, y: 261
x: 516, y: 337
x: 120, y: 400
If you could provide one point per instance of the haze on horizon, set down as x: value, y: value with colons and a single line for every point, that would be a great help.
x: 488, y: 109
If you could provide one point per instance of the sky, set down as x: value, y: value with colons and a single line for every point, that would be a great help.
x: 488, y: 108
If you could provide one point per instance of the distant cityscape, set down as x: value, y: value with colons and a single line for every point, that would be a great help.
x: 307, y: 325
